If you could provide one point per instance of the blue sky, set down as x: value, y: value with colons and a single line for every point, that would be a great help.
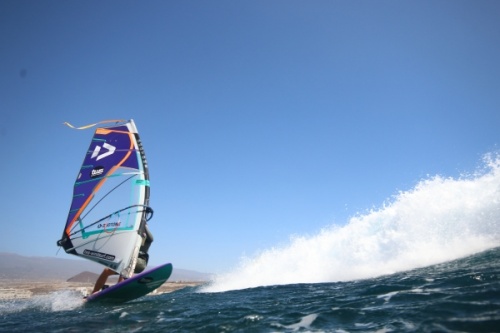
x: 260, y: 119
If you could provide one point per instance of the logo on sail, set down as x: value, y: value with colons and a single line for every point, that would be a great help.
x: 97, y: 172
x: 110, y: 150
x: 99, y: 255
x: 109, y: 225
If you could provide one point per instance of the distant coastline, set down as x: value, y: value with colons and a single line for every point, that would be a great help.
x: 23, y: 289
x: 24, y: 277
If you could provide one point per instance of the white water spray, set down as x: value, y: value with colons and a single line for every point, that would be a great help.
x: 63, y: 300
x: 441, y: 219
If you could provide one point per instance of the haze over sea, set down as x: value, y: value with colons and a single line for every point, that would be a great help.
x: 426, y: 260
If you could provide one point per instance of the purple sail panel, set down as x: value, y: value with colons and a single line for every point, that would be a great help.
x: 109, y: 149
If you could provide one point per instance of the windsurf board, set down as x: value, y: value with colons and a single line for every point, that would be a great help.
x: 134, y: 287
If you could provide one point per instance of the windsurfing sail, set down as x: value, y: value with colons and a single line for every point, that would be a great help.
x: 110, y: 204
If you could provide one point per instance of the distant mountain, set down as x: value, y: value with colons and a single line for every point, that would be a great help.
x: 180, y: 274
x: 14, y: 266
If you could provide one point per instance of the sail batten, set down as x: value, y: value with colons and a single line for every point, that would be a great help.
x: 110, y: 199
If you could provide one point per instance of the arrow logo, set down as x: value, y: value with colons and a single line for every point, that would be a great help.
x: 110, y: 150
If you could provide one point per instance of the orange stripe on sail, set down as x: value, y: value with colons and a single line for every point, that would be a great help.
x: 101, y: 182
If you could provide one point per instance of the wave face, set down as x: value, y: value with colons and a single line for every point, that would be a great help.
x: 439, y: 220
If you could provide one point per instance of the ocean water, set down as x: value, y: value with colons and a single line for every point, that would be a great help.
x: 457, y: 296
x: 427, y: 260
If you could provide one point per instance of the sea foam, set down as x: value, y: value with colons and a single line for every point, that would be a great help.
x: 439, y: 220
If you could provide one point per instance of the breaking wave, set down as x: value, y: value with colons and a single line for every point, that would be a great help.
x: 439, y: 220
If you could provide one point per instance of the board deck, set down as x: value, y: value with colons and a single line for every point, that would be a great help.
x: 134, y: 287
